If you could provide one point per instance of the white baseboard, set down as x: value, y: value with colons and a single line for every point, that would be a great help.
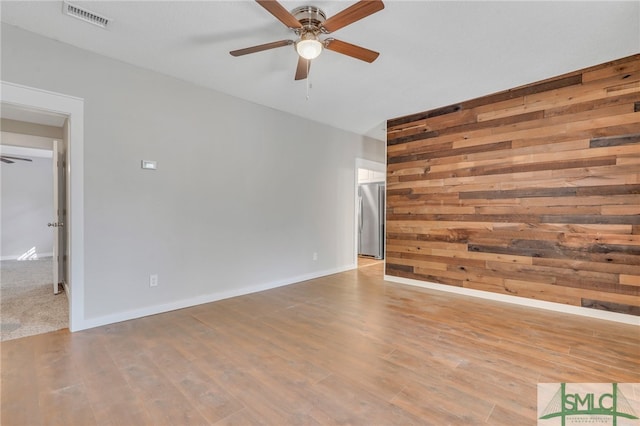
x: 207, y: 298
x: 522, y: 301
x: 16, y: 256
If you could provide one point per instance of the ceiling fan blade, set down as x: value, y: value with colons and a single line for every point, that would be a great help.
x: 283, y: 15
x: 351, y: 50
x: 302, y: 70
x: 353, y: 13
x: 4, y: 160
x: 261, y: 47
x: 17, y: 158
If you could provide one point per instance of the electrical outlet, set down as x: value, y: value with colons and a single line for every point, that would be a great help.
x: 315, y: 256
x: 153, y: 280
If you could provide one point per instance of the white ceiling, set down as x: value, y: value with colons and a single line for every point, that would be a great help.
x: 12, y: 112
x: 433, y: 53
x: 22, y: 151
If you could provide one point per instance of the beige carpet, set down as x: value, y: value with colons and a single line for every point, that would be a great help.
x: 27, y: 303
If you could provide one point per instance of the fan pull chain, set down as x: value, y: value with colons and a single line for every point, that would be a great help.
x: 308, y: 79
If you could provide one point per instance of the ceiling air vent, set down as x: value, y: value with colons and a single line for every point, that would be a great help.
x: 84, y: 14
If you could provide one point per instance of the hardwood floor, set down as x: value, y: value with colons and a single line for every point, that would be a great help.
x: 369, y: 261
x: 343, y: 349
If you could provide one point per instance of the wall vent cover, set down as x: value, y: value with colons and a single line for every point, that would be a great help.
x: 84, y: 14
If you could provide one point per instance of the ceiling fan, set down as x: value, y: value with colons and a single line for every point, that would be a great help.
x: 9, y: 159
x: 308, y: 23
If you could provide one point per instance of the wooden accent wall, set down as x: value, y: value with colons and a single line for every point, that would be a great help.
x: 532, y: 192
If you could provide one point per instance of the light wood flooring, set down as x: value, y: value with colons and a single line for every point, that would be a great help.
x: 343, y: 349
x: 369, y: 261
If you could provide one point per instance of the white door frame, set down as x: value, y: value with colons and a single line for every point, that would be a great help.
x: 56, y: 217
x: 73, y: 108
x: 361, y: 163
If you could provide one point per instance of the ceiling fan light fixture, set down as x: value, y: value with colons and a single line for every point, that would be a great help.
x: 309, y: 47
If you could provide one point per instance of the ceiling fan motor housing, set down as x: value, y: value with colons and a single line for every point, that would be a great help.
x: 310, y: 18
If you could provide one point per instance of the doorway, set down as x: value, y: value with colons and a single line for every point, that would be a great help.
x: 370, y: 176
x: 40, y: 104
x: 29, y: 303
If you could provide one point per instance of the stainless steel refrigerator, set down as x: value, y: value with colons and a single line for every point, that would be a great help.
x: 371, y: 219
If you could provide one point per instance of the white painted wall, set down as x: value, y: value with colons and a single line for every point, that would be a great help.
x: 27, y: 206
x: 242, y: 198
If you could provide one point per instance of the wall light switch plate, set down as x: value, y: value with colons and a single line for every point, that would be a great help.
x: 149, y: 165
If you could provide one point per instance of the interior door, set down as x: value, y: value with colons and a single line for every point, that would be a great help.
x: 59, y: 215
